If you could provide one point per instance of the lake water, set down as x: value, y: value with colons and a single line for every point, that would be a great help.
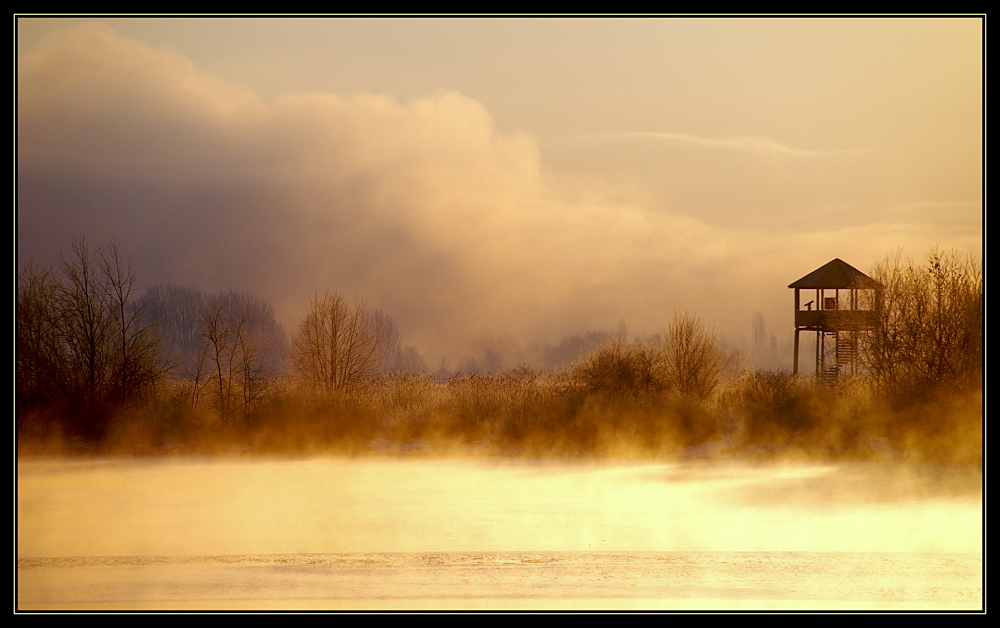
x: 424, y: 533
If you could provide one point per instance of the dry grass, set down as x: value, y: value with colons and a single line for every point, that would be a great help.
x: 601, y: 406
x: 680, y: 391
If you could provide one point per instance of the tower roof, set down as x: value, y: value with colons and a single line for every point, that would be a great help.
x: 835, y: 274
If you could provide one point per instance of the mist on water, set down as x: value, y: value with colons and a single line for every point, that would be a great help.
x: 467, y: 532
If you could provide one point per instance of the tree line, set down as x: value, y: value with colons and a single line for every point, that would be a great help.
x: 93, y: 353
x: 90, y: 346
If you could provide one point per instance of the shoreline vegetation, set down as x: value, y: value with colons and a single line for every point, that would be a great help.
x: 104, y: 369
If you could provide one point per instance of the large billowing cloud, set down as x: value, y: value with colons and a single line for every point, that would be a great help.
x: 423, y: 208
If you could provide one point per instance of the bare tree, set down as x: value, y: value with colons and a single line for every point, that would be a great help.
x: 217, y: 330
x: 262, y: 346
x: 410, y: 360
x: 242, y: 345
x: 176, y: 312
x: 135, y: 342
x: 692, y: 359
x: 338, y: 347
x: 39, y: 351
x: 928, y: 333
x: 388, y: 350
x: 82, y: 339
x: 226, y: 347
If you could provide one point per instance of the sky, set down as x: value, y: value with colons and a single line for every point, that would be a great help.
x: 529, y: 177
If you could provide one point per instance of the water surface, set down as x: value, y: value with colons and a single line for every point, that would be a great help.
x: 434, y: 533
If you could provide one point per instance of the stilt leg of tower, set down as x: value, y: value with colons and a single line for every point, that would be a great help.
x: 795, y: 355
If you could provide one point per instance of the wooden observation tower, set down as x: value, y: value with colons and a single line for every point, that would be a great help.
x: 837, y: 314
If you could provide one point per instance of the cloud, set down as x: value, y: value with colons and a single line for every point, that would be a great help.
x: 741, y: 143
x: 421, y: 207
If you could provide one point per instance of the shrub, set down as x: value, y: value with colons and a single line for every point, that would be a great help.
x: 621, y: 369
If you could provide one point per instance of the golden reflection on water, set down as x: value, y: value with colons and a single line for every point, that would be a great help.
x: 289, y: 511
x: 205, y: 506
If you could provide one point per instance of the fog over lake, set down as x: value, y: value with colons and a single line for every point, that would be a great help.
x: 419, y: 532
